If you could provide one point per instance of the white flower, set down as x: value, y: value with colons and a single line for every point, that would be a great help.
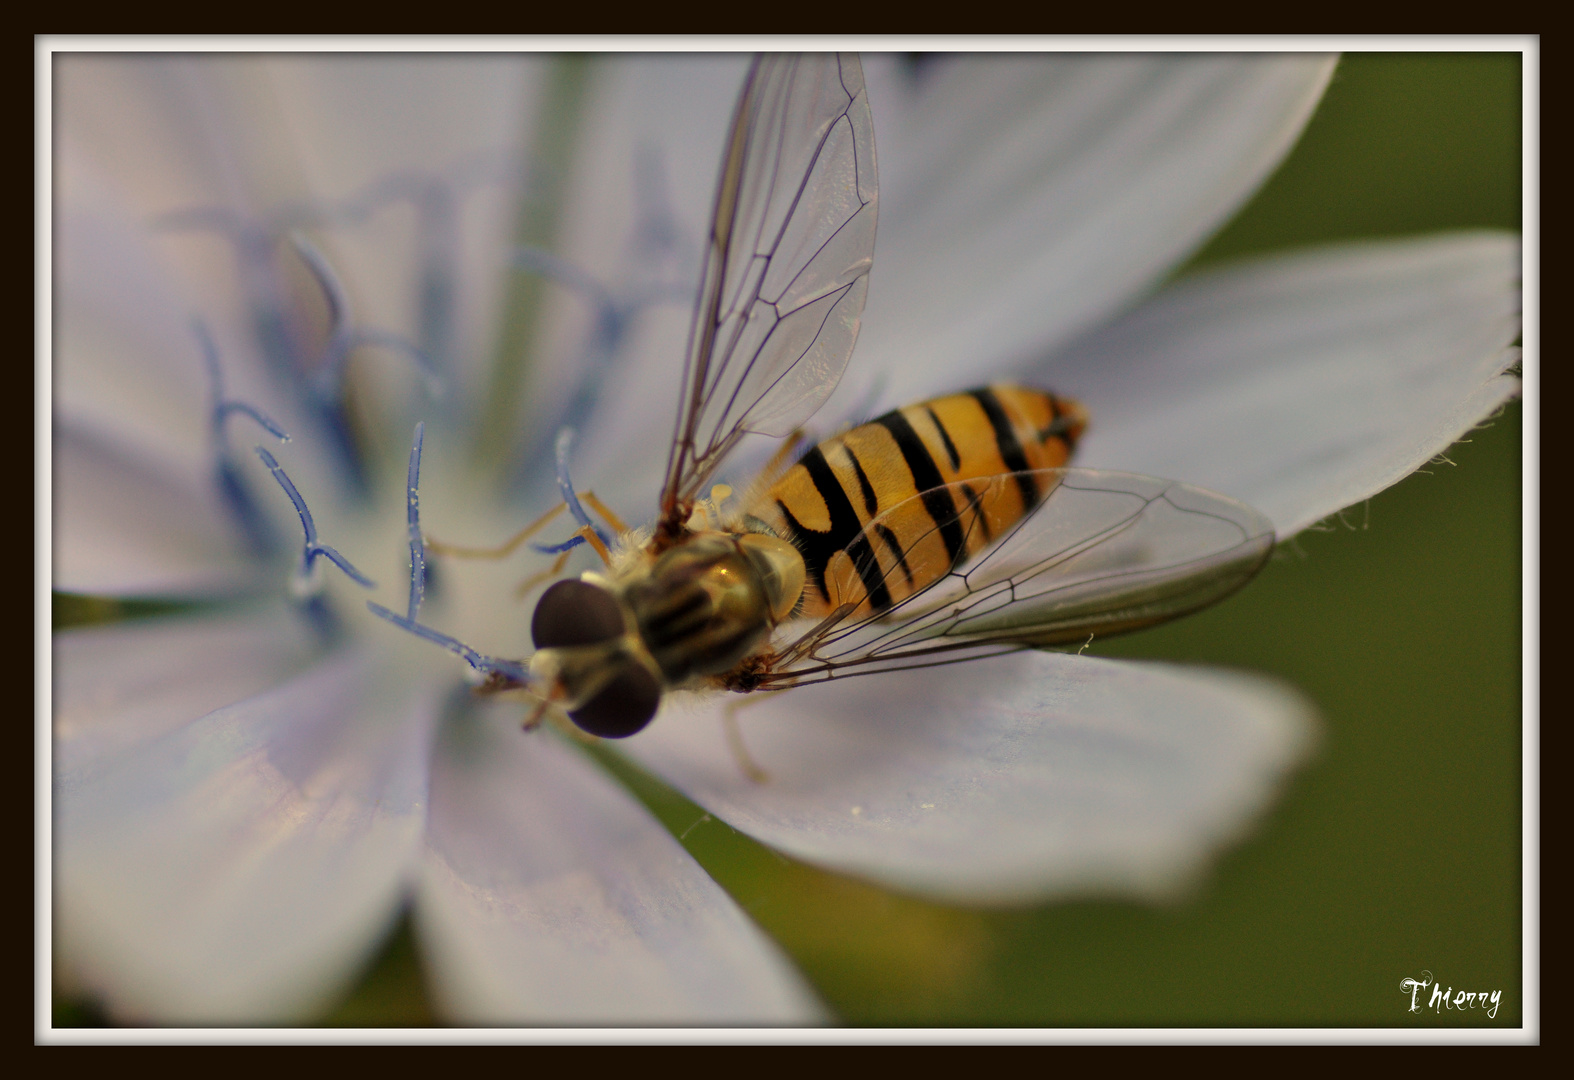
x: 244, y: 799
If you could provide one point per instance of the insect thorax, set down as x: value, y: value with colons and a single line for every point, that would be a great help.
x: 706, y: 604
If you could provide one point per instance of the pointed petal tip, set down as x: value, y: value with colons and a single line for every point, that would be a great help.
x: 1304, y: 382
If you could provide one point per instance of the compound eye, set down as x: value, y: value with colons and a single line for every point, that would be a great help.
x: 623, y: 707
x: 575, y: 613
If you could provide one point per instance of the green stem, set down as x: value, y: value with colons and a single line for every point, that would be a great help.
x: 535, y: 225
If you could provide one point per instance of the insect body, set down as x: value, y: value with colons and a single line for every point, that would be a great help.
x: 940, y: 532
x: 826, y: 502
x: 818, y: 538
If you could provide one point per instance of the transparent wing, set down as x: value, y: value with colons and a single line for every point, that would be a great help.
x: 787, y: 267
x: 1103, y: 553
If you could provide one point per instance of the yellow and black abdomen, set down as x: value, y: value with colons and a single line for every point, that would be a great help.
x: 926, y: 472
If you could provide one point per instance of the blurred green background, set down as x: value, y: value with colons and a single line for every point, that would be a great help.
x: 1397, y: 849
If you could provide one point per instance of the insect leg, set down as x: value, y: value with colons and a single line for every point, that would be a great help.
x: 533, y: 721
x: 523, y: 588
x: 550, y: 712
x: 590, y: 536
x: 547, y: 708
x: 504, y: 549
x: 606, y: 514
x: 740, y: 752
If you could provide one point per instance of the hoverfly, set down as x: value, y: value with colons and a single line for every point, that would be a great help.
x: 941, y: 532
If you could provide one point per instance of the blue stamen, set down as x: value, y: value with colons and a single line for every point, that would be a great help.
x: 567, y: 274
x: 253, y: 242
x: 557, y: 549
x: 657, y: 234
x: 276, y: 329
x: 659, y: 256
x: 418, y: 187
x: 313, y: 547
x: 486, y: 665
x: 437, y: 300
x: 237, y: 496
x: 279, y: 330
x: 436, y: 200
x: 437, y: 216
x: 565, y: 487
x: 223, y: 407
x: 413, y: 516
x: 343, y: 338
x: 233, y: 488
x: 614, y: 318
x: 395, y: 343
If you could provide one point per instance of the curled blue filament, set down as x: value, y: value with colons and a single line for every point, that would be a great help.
x: 313, y: 547
x: 317, y: 377
x: 565, y: 487
x: 413, y: 517
x: 511, y: 671
x: 343, y: 337
x: 227, y: 474
x: 660, y: 275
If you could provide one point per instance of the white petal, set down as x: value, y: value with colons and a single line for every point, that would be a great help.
x: 1304, y: 383
x: 238, y: 869
x: 126, y: 525
x: 117, y: 687
x: 173, y: 133
x: 355, y: 118
x: 1025, y: 199
x: 156, y: 124
x: 550, y: 896
x: 1000, y: 781
x: 126, y: 358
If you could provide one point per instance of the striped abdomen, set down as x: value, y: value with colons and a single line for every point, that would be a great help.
x: 896, y: 468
